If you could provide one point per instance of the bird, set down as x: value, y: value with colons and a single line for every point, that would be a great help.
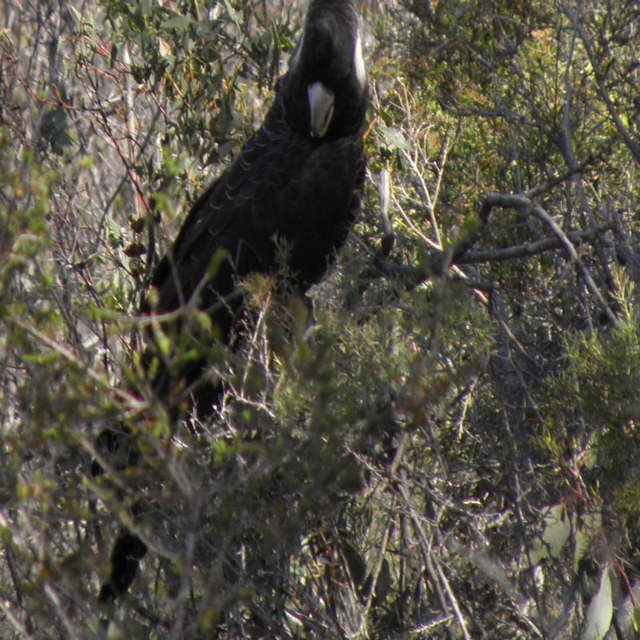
x: 297, y: 183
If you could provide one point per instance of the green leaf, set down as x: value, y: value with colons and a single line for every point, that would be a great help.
x: 597, y: 620
x: 383, y: 582
x: 554, y: 536
x: 177, y: 22
x: 355, y: 564
x: 394, y: 138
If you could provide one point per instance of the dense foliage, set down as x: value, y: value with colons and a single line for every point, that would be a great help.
x: 446, y: 447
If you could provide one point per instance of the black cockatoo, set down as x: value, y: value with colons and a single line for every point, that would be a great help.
x: 297, y: 182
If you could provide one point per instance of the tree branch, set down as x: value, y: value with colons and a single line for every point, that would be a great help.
x: 526, y: 205
x: 463, y: 253
x: 529, y: 248
x: 632, y: 144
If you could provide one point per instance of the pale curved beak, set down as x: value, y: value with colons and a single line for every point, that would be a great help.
x: 321, y: 102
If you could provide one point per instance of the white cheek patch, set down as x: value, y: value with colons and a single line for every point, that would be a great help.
x: 358, y: 62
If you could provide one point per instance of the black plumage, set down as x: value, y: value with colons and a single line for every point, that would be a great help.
x: 296, y: 183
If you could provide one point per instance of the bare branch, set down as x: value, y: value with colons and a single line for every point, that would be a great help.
x: 528, y: 206
x: 462, y: 253
x: 633, y: 146
x: 530, y: 248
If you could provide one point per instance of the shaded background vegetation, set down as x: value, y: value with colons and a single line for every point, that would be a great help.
x: 448, y: 448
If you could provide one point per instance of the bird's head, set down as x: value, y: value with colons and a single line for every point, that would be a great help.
x: 325, y: 90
